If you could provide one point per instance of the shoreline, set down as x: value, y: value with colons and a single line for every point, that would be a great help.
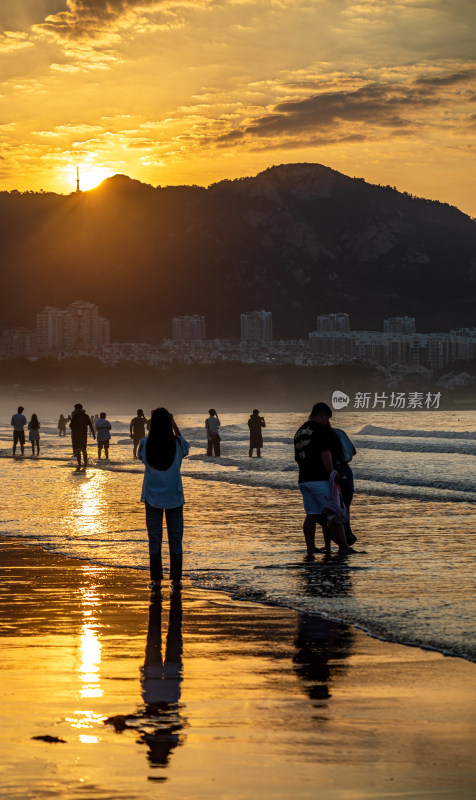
x: 265, y: 700
x: 255, y: 599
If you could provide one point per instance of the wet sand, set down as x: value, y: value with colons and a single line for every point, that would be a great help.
x: 213, y: 698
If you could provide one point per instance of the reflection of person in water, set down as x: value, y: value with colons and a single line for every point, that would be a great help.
x: 161, y: 680
x: 330, y: 577
x: 160, y: 722
x: 320, y: 644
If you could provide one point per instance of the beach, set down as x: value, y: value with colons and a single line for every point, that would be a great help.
x: 271, y: 702
x: 270, y: 674
x: 411, y: 581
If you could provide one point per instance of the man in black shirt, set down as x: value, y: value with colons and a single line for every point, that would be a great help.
x: 80, y: 422
x: 316, y: 447
x: 137, y: 429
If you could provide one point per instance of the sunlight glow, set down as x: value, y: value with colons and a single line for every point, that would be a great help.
x: 91, y: 176
x: 85, y: 719
x: 90, y: 645
x: 90, y: 661
x: 87, y: 509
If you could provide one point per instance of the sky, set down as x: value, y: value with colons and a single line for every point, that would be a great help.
x: 196, y: 91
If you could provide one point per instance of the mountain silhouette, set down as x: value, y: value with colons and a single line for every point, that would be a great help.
x: 298, y: 240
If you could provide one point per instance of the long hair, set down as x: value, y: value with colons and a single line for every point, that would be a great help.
x: 161, y: 445
x: 34, y: 424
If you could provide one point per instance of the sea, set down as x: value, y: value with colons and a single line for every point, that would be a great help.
x: 412, y: 579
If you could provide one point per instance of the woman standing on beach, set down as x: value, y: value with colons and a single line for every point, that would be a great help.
x: 34, y: 435
x: 162, y: 452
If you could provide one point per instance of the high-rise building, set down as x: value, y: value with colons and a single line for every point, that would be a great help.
x: 256, y: 327
x: 188, y: 328
x: 16, y: 342
x: 399, y: 325
x: 79, y: 327
x: 338, y: 323
x: 50, y: 329
x: 90, y: 331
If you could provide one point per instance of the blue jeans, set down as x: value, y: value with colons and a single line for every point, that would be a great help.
x: 174, y: 518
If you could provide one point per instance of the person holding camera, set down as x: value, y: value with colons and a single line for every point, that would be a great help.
x: 256, y: 424
x: 162, y: 452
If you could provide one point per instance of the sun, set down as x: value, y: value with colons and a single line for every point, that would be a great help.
x: 90, y: 176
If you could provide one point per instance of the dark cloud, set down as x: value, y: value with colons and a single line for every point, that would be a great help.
x: 447, y: 80
x: 392, y: 106
x: 311, y: 141
x: 90, y: 18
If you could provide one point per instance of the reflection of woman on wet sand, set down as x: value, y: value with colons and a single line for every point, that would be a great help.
x: 160, y: 723
x: 161, y: 681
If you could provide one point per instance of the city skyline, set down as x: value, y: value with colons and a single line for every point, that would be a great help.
x: 379, y: 90
x: 80, y: 330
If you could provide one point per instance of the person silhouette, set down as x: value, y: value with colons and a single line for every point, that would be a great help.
x: 103, y: 433
x: 162, y: 452
x: 137, y: 429
x: 255, y: 424
x: 80, y: 423
x: 19, y: 422
x: 62, y: 425
x: 212, y: 424
x: 347, y: 452
x: 34, y: 434
x: 316, y: 448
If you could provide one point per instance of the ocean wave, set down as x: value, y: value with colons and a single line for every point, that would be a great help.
x: 425, y: 446
x: 379, y: 481
x: 270, y: 480
x: 374, y: 430
x: 199, y: 439
x: 440, y: 491
x: 439, y: 494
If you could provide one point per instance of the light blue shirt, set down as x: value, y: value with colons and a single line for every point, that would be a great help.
x: 163, y: 488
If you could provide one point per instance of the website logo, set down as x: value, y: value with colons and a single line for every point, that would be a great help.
x: 339, y: 400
